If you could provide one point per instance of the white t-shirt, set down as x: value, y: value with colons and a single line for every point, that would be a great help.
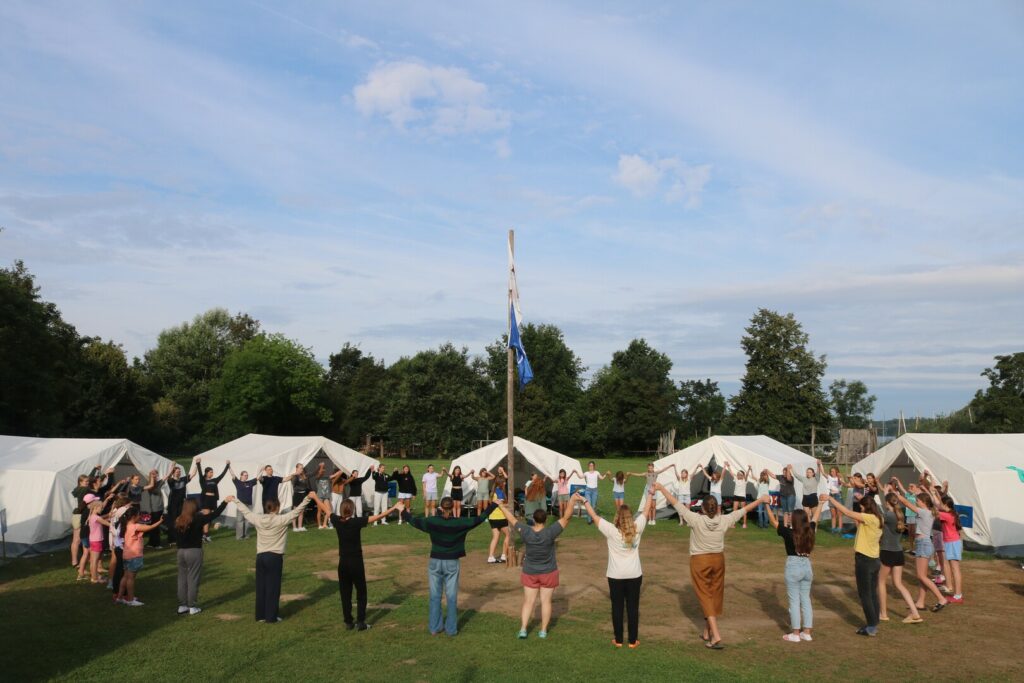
x: 617, y: 487
x: 683, y: 490
x: 833, y: 485
x: 430, y: 482
x: 623, y: 560
x: 716, y: 487
x: 591, y: 479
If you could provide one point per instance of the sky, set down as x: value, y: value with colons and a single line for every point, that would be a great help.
x: 348, y: 172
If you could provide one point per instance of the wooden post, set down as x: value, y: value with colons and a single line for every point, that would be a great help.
x: 812, y: 443
x: 510, y: 398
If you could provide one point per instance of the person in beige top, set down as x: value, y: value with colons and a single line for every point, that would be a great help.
x: 707, y: 556
x: 271, y: 538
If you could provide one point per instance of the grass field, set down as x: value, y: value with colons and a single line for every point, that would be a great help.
x: 55, y: 628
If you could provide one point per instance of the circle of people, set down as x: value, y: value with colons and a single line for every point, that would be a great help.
x: 119, y: 515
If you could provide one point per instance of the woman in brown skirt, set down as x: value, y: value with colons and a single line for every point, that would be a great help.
x: 707, y: 556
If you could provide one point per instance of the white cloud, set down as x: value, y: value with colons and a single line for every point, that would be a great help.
x: 643, y: 178
x: 445, y: 100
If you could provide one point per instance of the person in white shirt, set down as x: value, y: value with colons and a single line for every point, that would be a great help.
x: 430, y: 491
x: 591, y: 477
x: 624, y: 573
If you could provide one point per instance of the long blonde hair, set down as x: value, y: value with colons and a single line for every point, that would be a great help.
x: 625, y: 524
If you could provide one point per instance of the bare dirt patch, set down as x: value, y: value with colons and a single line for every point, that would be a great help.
x: 293, y: 597
x: 224, y: 616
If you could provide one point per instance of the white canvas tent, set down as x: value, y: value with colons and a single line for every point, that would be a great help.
x: 759, y: 452
x: 981, y: 475
x: 528, y: 458
x: 253, y: 451
x: 37, y: 476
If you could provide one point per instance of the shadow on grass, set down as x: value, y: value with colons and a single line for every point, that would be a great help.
x: 397, y: 596
x: 840, y: 607
x: 1016, y: 588
x: 689, y: 605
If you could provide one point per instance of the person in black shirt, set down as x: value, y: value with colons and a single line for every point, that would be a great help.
x: 243, y: 492
x: 270, y: 484
x: 189, y: 527
x: 210, y: 494
x: 300, y: 489
x: 406, y: 487
x: 799, y: 542
x: 380, y: 492
x: 177, y: 485
x: 355, y: 489
x: 351, y: 571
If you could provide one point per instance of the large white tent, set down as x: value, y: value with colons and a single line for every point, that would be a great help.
x: 252, y: 452
x: 984, y: 475
x: 528, y: 458
x: 758, y: 452
x: 37, y: 476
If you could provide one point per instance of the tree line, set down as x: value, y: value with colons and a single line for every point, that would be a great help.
x: 220, y: 376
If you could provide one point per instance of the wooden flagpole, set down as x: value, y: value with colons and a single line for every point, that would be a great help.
x: 510, y: 397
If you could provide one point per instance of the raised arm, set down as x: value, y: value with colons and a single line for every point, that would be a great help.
x: 227, y: 466
x: 509, y: 514
x: 325, y: 508
x: 586, y: 506
x: 772, y: 519
x: 856, y: 516
x: 372, y: 519
x: 667, y: 468
x: 672, y: 500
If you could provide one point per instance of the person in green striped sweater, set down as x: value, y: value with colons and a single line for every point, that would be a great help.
x: 447, y: 546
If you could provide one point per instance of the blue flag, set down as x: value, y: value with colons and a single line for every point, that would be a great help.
x: 515, y: 342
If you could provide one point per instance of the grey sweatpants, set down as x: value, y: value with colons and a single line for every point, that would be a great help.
x: 190, y: 567
x: 241, y: 527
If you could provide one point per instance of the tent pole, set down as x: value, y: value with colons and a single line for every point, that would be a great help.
x: 510, y: 397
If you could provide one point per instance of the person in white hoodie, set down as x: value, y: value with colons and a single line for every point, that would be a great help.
x: 707, y: 556
x: 271, y: 538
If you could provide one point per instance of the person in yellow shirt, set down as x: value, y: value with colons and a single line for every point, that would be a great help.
x: 867, y: 564
x: 498, y: 521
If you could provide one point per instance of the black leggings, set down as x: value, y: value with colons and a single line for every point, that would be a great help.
x: 352, y: 574
x: 174, y: 505
x: 115, y: 580
x: 625, y: 594
x: 866, y: 569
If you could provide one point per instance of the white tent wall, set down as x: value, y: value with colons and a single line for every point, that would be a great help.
x: 758, y: 452
x: 976, y: 467
x: 250, y: 453
x: 528, y: 458
x: 37, y: 476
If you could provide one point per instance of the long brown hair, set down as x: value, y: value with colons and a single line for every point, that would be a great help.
x: 803, y: 535
x: 893, y: 503
x: 188, y: 513
x: 868, y: 506
x: 625, y: 524
x: 709, y: 506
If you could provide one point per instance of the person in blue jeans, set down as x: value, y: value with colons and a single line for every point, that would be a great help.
x: 799, y: 541
x: 447, y: 546
x: 591, y: 477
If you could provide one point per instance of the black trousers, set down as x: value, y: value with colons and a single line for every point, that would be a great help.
x: 268, y: 585
x: 866, y: 569
x: 174, y: 505
x: 115, y: 580
x: 625, y: 594
x: 352, y: 574
x: 154, y: 534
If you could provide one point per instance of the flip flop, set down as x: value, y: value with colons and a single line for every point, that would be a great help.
x: 939, y: 606
x: 717, y: 645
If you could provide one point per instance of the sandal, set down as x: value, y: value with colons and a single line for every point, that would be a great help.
x: 717, y: 645
x: 939, y: 606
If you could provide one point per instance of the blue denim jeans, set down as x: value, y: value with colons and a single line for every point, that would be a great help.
x: 798, y: 588
x: 444, y: 576
x: 762, y: 515
x: 591, y: 496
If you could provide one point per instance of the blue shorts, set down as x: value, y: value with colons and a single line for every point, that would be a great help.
x: 788, y: 503
x: 133, y: 565
x: 954, y: 550
x: 923, y: 547
x: 619, y: 497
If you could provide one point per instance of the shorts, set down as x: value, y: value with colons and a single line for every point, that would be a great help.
x: 563, y: 497
x: 404, y: 496
x: 891, y: 558
x: 430, y: 497
x: 96, y: 546
x: 619, y: 496
x: 76, y: 521
x: 923, y: 547
x: 954, y: 550
x: 810, y: 500
x: 498, y: 523
x: 549, y: 580
x: 739, y: 500
x: 133, y: 565
x: 717, y: 497
x: 457, y: 494
x: 296, y: 499
x: 788, y: 502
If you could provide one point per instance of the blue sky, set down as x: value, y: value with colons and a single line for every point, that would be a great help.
x: 347, y: 172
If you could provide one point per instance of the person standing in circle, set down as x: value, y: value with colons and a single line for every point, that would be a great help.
x: 591, y: 477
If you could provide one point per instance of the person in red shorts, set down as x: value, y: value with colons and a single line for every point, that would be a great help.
x: 540, y: 570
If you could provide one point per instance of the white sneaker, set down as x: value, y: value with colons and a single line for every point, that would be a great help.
x: 491, y: 560
x: 134, y: 603
x: 182, y: 609
x: 195, y: 610
x: 652, y: 522
x: 806, y: 636
x: 791, y: 638
x: 502, y: 558
x: 384, y: 522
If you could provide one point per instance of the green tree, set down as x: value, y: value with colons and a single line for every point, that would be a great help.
x: 271, y: 385
x: 38, y: 354
x: 632, y: 401
x: 357, y: 387
x: 852, y: 406
x: 1000, y: 407
x: 547, y: 410
x: 437, y: 400
x: 780, y: 394
x: 110, y: 400
x: 702, y: 407
x: 182, y: 367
